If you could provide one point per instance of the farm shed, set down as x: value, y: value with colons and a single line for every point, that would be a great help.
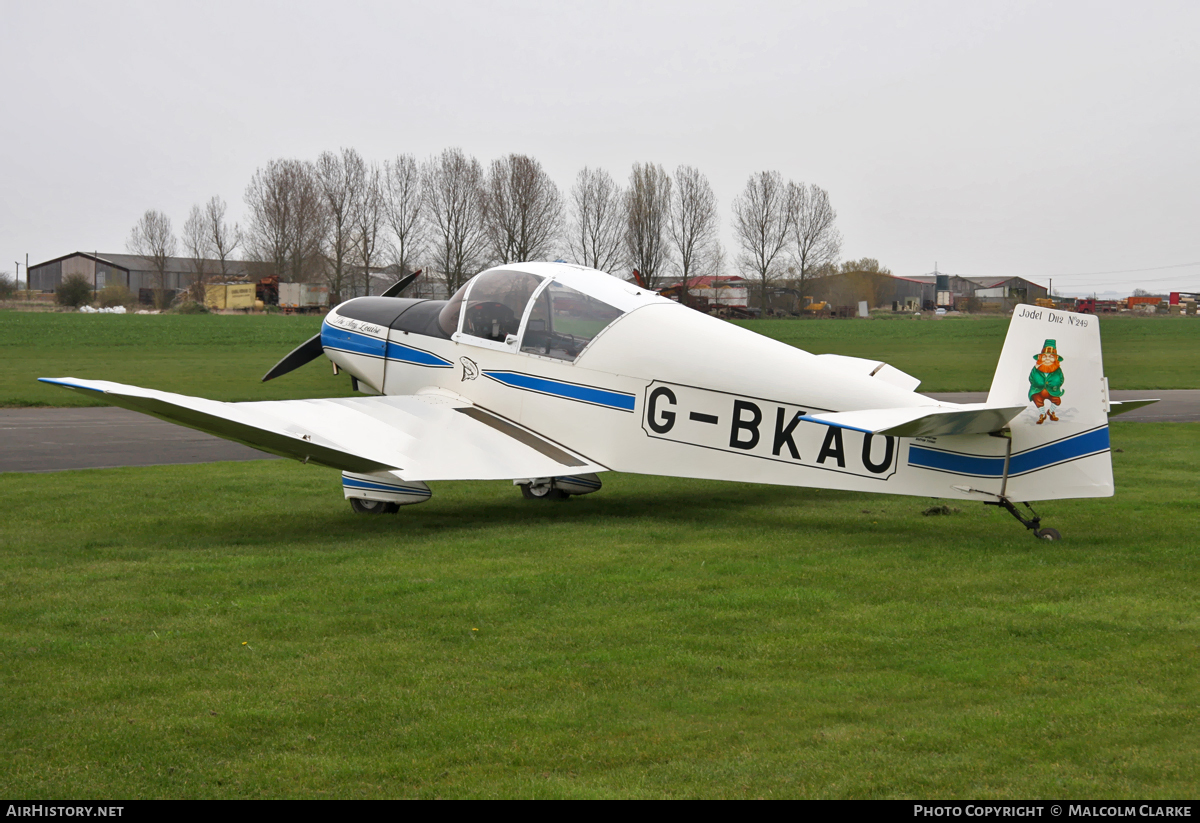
x: 130, y: 270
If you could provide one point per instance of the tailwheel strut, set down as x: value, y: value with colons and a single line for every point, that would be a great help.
x: 1034, y: 523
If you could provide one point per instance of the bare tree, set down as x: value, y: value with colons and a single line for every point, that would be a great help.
x: 524, y: 210
x: 865, y: 264
x: 288, y: 220
x: 339, y: 194
x: 153, y: 239
x: 368, y: 217
x: 761, y: 218
x: 224, y: 239
x: 647, y: 213
x: 8, y: 285
x: 815, y: 239
x: 454, y: 200
x: 196, y: 240
x: 311, y: 225
x: 269, y: 199
x: 693, y: 225
x: 403, y: 205
x: 597, y: 220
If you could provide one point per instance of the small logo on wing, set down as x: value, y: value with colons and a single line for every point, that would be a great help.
x: 470, y: 368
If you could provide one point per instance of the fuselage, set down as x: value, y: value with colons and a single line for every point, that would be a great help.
x: 659, y: 389
x: 637, y: 383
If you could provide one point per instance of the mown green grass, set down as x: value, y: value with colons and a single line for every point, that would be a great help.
x: 960, y: 353
x: 223, y: 357
x: 233, y: 630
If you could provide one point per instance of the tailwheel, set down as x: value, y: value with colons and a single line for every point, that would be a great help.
x: 545, y: 491
x: 1033, y: 523
x: 373, y: 506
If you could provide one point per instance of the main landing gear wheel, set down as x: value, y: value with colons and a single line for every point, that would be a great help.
x: 373, y: 506
x: 1047, y: 534
x: 546, y: 492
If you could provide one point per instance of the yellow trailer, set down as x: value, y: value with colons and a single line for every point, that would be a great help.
x: 229, y: 295
x: 239, y: 296
x: 214, y: 295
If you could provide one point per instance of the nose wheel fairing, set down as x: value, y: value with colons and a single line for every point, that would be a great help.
x: 382, y: 487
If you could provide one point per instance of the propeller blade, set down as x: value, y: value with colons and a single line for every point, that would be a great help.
x: 400, y: 285
x: 307, y: 351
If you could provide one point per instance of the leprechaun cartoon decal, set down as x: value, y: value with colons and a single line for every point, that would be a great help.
x: 1046, y: 381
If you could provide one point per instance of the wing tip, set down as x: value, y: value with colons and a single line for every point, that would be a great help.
x: 66, y: 383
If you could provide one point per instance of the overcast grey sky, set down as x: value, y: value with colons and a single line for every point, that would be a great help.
x: 1036, y: 139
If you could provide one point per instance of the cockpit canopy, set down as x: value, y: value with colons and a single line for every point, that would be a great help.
x: 493, y: 311
x: 553, y: 310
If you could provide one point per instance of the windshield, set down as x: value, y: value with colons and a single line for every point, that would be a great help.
x: 564, y: 321
x: 448, y: 317
x: 495, y: 305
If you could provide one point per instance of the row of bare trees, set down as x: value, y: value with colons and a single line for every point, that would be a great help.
x: 209, y: 243
x: 661, y: 228
x: 455, y: 217
x: 341, y: 217
x: 785, y: 230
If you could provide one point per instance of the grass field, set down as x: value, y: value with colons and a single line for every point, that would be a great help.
x: 960, y: 353
x: 232, y: 630
x: 223, y: 357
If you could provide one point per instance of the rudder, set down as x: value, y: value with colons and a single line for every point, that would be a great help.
x: 1051, y: 361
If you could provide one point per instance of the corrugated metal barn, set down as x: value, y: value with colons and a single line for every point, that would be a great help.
x: 129, y: 270
x: 876, y: 289
x: 992, y: 293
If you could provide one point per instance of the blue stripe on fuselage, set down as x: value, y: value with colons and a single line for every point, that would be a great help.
x: 568, y: 391
x: 357, y: 343
x: 419, y: 357
x: 1069, y: 448
x: 353, y: 342
x: 1061, y: 451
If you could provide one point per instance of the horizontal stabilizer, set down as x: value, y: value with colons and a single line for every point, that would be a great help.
x: 1121, y: 406
x: 872, y: 368
x: 419, y: 437
x: 974, y: 418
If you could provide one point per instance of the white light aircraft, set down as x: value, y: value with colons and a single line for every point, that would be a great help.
x: 548, y: 374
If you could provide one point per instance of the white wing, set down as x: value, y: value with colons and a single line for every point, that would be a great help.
x: 418, y: 437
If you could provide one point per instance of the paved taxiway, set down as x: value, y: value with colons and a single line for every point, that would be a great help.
x: 46, y: 440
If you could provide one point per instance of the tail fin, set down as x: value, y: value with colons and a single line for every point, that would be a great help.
x: 1051, y: 363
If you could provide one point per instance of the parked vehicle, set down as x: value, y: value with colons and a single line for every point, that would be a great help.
x: 303, y: 296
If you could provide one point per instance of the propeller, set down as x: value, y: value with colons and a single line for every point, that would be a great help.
x: 401, y: 284
x: 307, y: 351
x: 311, y: 348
